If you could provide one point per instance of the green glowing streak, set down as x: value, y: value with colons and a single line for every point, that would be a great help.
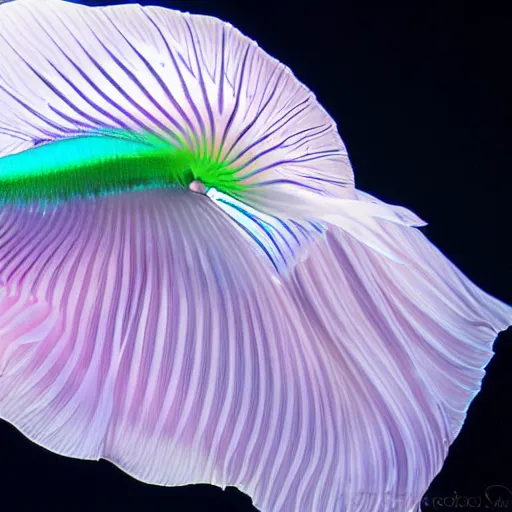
x: 107, y: 162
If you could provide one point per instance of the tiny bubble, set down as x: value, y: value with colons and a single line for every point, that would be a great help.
x: 197, y: 187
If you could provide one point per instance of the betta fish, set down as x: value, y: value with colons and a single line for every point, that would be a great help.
x: 193, y: 288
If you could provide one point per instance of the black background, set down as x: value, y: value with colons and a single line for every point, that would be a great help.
x: 419, y: 94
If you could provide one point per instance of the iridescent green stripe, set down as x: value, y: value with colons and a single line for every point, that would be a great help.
x: 106, y: 162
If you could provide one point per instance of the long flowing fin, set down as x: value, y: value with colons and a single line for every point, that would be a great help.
x: 158, y: 340
x: 145, y: 329
x: 411, y: 341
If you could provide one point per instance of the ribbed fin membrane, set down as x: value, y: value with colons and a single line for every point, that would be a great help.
x: 284, y: 242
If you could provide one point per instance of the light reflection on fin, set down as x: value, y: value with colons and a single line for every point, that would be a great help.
x: 284, y: 243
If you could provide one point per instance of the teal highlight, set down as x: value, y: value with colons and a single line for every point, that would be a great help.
x: 104, y: 162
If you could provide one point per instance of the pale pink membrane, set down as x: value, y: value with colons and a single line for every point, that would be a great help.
x: 197, y: 187
x: 323, y: 359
